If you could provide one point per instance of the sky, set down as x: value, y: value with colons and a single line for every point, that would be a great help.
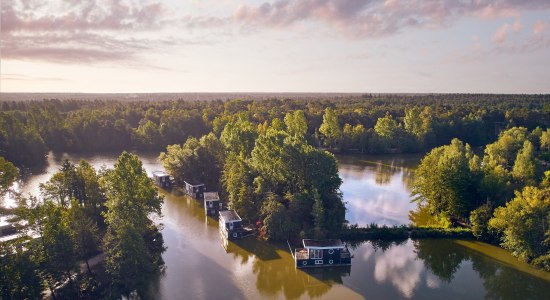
x: 342, y: 46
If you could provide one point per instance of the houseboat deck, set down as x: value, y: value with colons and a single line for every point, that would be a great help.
x: 322, y: 253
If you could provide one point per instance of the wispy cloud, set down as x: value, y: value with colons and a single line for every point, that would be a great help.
x: 77, y: 31
x: 499, y: 38
x: 539, y: 27
x: 21, y: 77
x: 378, y: 18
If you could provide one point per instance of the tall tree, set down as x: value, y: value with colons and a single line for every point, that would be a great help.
x: 8, y: 175
x: 133, y: 254
x: 524, y: 223
x: 525, y: 166
x: 330, y: 128
x: 447, y: 180
x: 296, y: 124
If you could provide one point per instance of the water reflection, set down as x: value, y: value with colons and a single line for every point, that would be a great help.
x: 377, y: 189
x: 198, y: 266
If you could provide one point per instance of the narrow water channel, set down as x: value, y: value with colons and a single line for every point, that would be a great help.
x: 376, y: 190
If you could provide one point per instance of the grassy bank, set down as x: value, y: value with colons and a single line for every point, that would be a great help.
x: 354, y: 233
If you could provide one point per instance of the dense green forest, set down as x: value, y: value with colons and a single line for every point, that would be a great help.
x: 364, y: 124
x: 268, y: 158
x: 83, y: 213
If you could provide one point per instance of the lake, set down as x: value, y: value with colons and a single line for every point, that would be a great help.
x: 377, y: 190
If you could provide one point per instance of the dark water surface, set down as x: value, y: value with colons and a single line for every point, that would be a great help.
x: 376, y: 190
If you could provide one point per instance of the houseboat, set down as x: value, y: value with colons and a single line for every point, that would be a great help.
x: 212, y: 204
x: 322, y: 253
x: 231, y: 226
x: 194, y: 189
x: 162, y: 179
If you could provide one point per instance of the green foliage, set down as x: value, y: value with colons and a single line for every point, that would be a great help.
x: 330, y: 128
x: 19, y: 278
x: 447, y: 180
x: 127, y: 260
x: 387, y: 128
x: 479, y: 219
x: 133, y: 245
x: 523, y: 223
x: 196, y: 160
x: 131, y: 195
x: 237, y: 181
x: 8, y: 175
x: 525, y: 167
x: 503, y: 152
x: 83, y: 231
x: 296, y: 124
x: 239, y: 136
x: 20, y: 143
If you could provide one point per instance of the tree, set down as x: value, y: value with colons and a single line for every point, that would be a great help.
x: 83, y: 231
x: 196, y: 160
x: 62, y: 186
x: 525, y: 170
x: 239, y: 136
x: 237, y: 181
x: 8, y: 174
x: 479, y: 218
x: 296, y: 124
x: 523, y: 223
x: 447, y: 180
x: 131, y: 243
x: 330, y: 128
x: 387, y: 127
x: 19, y: 278
x: 503, y: 152
x: 127, y: 261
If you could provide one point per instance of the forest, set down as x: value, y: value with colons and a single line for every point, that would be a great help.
x: 486, y: 168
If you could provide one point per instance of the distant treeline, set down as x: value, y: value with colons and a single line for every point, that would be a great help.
x: 365, y: 123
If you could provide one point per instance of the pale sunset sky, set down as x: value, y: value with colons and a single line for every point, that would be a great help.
x: 379, y: 46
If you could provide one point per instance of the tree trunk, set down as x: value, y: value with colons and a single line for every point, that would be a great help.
x: 88, y: 265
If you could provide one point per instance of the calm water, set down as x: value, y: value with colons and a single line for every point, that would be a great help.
x: 376, y: 190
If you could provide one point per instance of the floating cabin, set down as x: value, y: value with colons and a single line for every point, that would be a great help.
x: 162, y: 179
x: 322, y: 253
x: 231, y: 226
x: 195, y: 189
x: 212, y: 204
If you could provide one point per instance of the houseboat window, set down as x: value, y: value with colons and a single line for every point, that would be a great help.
x: 331, y: 251
x: 316, y: 253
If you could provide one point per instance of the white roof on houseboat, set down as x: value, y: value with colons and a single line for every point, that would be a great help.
x: 211, y: 196
x: 323, y: 244
x: 160, y: 174
x: 193, y: 183
x: 229, y: 216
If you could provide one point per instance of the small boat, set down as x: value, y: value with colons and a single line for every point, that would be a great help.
x: 322, y: 253
x: 231, y: 226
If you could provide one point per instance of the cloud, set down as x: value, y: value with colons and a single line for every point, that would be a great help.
x: 377, y: 18
x: 21, y: 77
x: 539, y: 27
x: 77, y: 31
x: 501, y: 34
x: 516, y: 27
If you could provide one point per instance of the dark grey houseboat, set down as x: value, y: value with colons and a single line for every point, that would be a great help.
x: 162, y: 179
x: 322, y: 253
x: 212, y: 203
x: 194, y: 189
x: 231, y: 226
